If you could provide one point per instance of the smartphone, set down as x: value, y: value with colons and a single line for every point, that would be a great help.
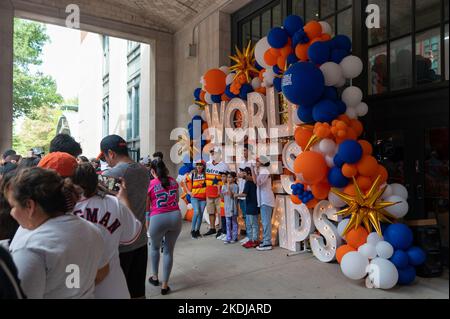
x: 111, y: 183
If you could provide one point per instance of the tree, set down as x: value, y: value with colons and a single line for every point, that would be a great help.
x: 31, y: 90
x: 37, y: 130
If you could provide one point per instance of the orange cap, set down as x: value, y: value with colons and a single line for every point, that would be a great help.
x: 63, y: 163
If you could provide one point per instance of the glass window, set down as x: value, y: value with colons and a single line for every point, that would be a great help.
x: 400, y: 17
x: 276, y: 16
x: 377, y: 35
x: 446, y: 10
x: 245, y: 34
x: 265, y: 27
x: 428, y: 56
x: 297, y: 8
x: 105, y: 116
x: 136, y: 112
x: 312, y: 10
x: 378, y: 79
x: 129, y: 115
x: 401, y: 64
x: 344, y: 23
x: 327, y: 8
x: 446, y: 51
x: 331, y: 22
x: 428, y: 12
x: 343, y: 3
x: 255, y: 30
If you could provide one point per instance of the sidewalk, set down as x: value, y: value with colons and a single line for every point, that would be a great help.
x: 206, y: 268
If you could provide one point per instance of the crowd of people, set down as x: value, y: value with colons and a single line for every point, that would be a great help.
x: 72, y: 230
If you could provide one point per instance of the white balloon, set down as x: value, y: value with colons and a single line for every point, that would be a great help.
x: 362, y: 109
x: 352, y: 66
x: 315, y: 148
x: 354, y: 264
x: 330, y: 160
x: 327, y: 146
x: 351, y: 113
x: 260, y: 48
x: 202, y: 80
x: 341, y: 82
x: 332, y: 73
x: 352, y: 96
x: 398, y: 210
x: 399, y: 190
x: 183, y: 207
x: 387, y: 192
x: 373, y: 238
x: 208, y: 98
x: 326, y: 28
x: 256, y: 83
x: 341, y: 226
x: 224, y: 69
x: 335, y: 201
x: 368, y: 250
x: 189, y: 206
x: 229, y: 79
x: 384, y: 249
x: 382, y: 274
x: 269, y: 76
x: 203, y: 115
x: 194, y: 110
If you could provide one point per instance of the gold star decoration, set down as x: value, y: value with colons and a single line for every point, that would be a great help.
x: 187, y: 146
x: 367, y: 208
x: 244, y: 62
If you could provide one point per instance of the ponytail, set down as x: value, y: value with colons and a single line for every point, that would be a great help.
x: 161, y: 171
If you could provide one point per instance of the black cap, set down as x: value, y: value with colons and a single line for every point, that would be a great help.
x: 8, y: 153
x: 248, y: 170
x: 114, y: 143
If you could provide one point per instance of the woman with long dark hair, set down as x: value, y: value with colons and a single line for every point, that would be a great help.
x: 165, y: 220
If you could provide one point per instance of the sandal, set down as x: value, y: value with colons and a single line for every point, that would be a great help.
x: 153, y: 281
x: 165, y: 291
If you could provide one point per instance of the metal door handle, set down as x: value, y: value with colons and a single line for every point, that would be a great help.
x: 419, y: 191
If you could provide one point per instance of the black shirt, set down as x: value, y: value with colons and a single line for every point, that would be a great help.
x: 251, y: 201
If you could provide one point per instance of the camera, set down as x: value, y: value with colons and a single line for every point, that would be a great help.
x: 111, y: 183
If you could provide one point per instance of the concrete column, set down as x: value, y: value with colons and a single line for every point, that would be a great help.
x: 6, y: 73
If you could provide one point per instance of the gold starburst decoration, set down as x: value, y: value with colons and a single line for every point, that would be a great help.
x: 244, y: 62
x: 367, y: 209
x: 187, y: 146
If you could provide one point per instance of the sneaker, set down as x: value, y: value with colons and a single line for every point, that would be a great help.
x: 256, y: 243
x: 197, y: 233
x: 210, y: 232
x: 219, y: 233
x: 248, y: 244
x: 193, y: 234
x: 243, y: 241
x: 264, y: 247
x: 227, y: 242
x: 223, y: 237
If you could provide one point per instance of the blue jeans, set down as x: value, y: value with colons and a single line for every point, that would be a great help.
x: 266, y: 221
x: 243, y: 206
x: 252, y: 227
x: 232, y: 228
x: 199, y: 207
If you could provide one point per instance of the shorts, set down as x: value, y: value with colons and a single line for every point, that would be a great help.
x: 213, y: 205
x: 134, y: 266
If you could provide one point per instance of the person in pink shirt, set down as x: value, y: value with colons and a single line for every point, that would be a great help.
x: 165, y: 221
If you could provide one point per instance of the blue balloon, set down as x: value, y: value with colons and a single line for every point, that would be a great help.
x: 258, y: 67
x: 416, y: 256
x: 300, y: 37
x: 303, y: 84
x: 342, y: 42
x: 228, y: 93
x: 338, y: 161
x: 341, y: 107
x: 216, y: 98
x: 336, y: 179
x: 277, y: 37
x: 330, y: 93
x: 188, y: 198
x: 305, y: 113
x: 337, y: 55
x: 399, y: 259
x: 197, y: 92
x: 292, y: 24
x: 276, y: 69
x: 277, y: 84
x: 245, y: 89
x: 350, y: 151
x: 325, y: 111
x: 291, y: 59
x: 319, y: 52
x: 399, y: 236
x: 197, y: 118
x: 406, y: 275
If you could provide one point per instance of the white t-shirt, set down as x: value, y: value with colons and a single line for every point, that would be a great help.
x: 118, y: 226
x: 48, y: 258
x: 264, y: 188
x: 216, y: 169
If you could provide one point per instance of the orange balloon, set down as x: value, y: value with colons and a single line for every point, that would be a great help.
x: 242, y: 78
x: 302, y: 136
x: 215, y: 81
x: 281, y: 62
x: 301, y: 51
x: 351, y: 134
x: 349, y: 170
x: 357, y: 126
x: 189, y: 214
x: 312, y: 166
x: 321, y: 190
x: 345, y: 118
x: 261, y: 90
x: 342, y: 250
x: 202, y: 96
x: 366, y: 146
x: 364, y: 182
x: 325, y: 37
x: 383, y: 172
x: 367, y: 166
x: 312, y: 203
x: 225, y: 97
x: 261, y: 74
x: 295, y: 199
x: 356, y: 237
x: 313, y: 29
x: 350, y: 189
x: 286, y: 50
x: 271, y: 56
x: 204, y: 126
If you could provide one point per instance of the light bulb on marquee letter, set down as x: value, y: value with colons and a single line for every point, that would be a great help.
x: 298, y: 229
x: 290, y: 152
x: 323, y: 213
x: 215, y: 120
